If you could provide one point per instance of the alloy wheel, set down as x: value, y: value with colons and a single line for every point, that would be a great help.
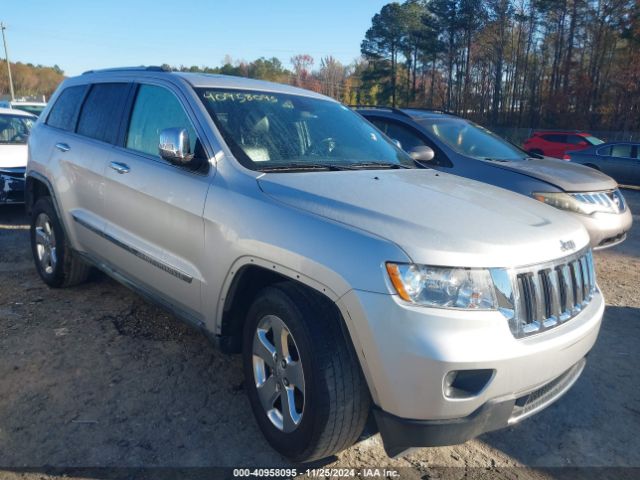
x: 278, y: 373
x: 46, y: 243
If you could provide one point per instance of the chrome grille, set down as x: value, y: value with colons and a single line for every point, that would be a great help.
x: 611, y: 200
x: 540, y: 297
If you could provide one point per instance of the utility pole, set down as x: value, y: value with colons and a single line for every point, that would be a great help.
x: 6, y: 54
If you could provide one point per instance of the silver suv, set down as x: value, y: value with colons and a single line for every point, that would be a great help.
x: 286, y: 227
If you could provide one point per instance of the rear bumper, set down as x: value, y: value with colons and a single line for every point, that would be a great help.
x: 401, y: 434
x: 12, y: 184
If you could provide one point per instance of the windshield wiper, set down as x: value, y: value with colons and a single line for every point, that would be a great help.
x: 304, y: 166
x: 376, y: 165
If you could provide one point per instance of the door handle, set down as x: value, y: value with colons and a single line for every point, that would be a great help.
x: 120, y: 167
x: 63, y: 147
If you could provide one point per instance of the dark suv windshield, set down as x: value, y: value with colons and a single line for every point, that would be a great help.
x: 269, y: 131
x: 472, y: 140
x: 15, y: 128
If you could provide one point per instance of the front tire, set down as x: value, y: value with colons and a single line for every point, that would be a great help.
x: 302, y: 376
x: 55, y: 261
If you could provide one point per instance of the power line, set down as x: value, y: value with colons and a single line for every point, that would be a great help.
x: 6, y: 54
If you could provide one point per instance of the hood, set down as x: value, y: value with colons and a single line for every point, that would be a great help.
x: 564, y: 175
x: 436, y: 218
x: 12, y: 156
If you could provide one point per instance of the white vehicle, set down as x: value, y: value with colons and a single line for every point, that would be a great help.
x: 286, y: 227
x: 34, y: 108
x: 15, y: 126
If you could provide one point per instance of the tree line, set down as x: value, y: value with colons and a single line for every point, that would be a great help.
x: 528, y: 63
x: 551, y: 63
x: 30, y: 81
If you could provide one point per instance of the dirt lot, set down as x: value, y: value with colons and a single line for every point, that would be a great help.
x: 96, y: 377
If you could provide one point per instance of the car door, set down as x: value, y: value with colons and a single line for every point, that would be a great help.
x: 620, y: 161
x: 555, y: 145
x: 97, y: 131
x: 576, y: 142
x: 154, y: 208
x: 633, y: 176
x: 83, y: 124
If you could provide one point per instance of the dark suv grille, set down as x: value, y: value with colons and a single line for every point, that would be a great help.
x: 551, y: 294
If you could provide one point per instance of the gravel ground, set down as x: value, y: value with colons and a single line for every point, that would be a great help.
x: 94, y: 376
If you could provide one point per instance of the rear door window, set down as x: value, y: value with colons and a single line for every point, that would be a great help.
x: 102, y: 111
x: 64, y: 112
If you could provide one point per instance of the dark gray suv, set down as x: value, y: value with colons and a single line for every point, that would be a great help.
x: 452, y: 144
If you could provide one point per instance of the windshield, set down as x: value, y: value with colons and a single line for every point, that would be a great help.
x: 269, y: 131
x: 594, y: 140
x: 472, y: 140
x: 15, y: 129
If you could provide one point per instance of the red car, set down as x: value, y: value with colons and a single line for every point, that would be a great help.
x: 557, y: 144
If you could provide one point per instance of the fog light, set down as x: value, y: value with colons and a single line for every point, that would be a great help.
x: 460, y: 384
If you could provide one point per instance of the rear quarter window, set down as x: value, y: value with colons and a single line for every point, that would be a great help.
x: 64, y: 112
x: 102, y: 111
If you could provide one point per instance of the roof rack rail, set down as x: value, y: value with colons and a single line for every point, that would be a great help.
x: 434, y: 110
x: 141, y: 68
x: 380, y: 107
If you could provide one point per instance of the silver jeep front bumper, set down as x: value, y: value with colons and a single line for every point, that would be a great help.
x: 408, y: 353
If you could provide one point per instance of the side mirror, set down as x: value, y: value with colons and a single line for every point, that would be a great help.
x: 174, y: 146
x: 422, y: 154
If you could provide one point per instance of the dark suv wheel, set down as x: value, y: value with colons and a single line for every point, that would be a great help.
x: 303, y: 379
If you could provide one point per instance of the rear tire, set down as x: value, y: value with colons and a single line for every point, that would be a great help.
x: 56, y: 262
x: 591, y: 165
x: 330, y: 400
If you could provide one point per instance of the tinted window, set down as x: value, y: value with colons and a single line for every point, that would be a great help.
x: 65, y: 111
x: 555, y: 138
x: 102, y: 110
x: 594, y: 140
x: 407, y: 138
x: 604, y: 151
x: 155, y: 109
x: 623, y: 150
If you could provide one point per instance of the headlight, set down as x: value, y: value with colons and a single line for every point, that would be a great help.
x: 585, y: 203
x: 443, y: 287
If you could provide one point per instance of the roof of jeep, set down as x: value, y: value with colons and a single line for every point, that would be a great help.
x: 203, y: 80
